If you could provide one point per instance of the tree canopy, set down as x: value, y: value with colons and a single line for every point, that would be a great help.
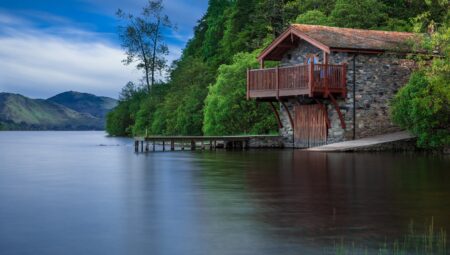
x: 142, y: 39
x: 205, y: 91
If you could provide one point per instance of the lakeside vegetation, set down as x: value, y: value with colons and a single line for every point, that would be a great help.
x: 205, y: 90
x: 431, y: 241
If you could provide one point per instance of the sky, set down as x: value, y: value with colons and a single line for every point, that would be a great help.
x: 51, y: 46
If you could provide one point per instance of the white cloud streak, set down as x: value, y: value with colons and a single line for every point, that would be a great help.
x: 40, y: 63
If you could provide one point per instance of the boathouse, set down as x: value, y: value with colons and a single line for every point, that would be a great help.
x: 331, y: 84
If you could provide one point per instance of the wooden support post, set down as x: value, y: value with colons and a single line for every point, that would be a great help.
x: 311, y: 77
x: 291, y: 120
x: 172, y: 145
x: 146, y: 146
x: 142, y: 146
x: 277, y: 115
x: 202, y: 145
x: 327, y: 81
x: 344, y: 80
x: 154, y: 145
x: 210, y: 145
x: 277, y: 82
x: 248, y: 83
x: 136, y: 145
x: 215, y: 144
x: 192, y: 145
x: 164, y: 145
x: 336, y: 106
x: 182, y: 145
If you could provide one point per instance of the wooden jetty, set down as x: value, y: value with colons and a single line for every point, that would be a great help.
x: 172, y: 143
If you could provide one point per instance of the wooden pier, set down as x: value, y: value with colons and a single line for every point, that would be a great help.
x: 181, y: 143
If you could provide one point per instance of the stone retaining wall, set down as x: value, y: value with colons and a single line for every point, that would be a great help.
x: 266, y: 142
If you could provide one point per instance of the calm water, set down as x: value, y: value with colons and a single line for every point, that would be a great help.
x: 83, y: 193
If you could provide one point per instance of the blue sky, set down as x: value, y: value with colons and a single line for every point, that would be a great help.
x: 51, y: 46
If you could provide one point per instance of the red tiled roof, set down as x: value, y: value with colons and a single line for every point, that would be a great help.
x: 359, y: 39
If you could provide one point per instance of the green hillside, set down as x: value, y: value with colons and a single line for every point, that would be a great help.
x: 21, y: 113
x: 206, y: 89
x: 85, y: 103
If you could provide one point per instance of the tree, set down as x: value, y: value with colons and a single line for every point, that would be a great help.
x: 142, y: 38
x: 359, y: 14
x: 423, y: 105
x: 313, y: 17
x: 226, y: 110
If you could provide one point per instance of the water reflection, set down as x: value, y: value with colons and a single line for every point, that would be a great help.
x: 72, y: 196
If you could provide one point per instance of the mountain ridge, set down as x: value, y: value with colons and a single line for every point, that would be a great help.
x: 65, y: 111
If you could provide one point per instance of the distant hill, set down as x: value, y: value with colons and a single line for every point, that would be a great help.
x: 18, y: 112
x: 85, y: 103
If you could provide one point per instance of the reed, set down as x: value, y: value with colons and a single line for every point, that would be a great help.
x: 429, y: 242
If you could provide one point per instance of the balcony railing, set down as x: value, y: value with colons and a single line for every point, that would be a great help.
x: 311, y: 79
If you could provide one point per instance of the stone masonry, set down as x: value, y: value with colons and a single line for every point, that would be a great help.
x: 378, y: 78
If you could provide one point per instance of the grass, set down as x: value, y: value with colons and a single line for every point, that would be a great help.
x: 429, y: 242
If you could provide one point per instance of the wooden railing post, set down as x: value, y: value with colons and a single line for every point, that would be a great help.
x: 344, y: 80
x: 248, y: 83
x: 277, y: 81
x: 327, y: 73
x: 311, y: 77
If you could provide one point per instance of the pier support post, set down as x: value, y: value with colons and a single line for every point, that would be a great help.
x: 142, y: 146
x: 172, y: 145
x: 136, y: 146
x: 182, y: 145
x: 154, y: 146
x: 192, y: 145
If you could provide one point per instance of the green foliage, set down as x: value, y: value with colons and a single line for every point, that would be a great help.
x: 226, y: 110
x: 313, y: 17
x: 148, y: 105
x: 201, y: 97
x: 120, y: 121
x: 359, y: 14
x: 143, y: 41
x: 423, y: 105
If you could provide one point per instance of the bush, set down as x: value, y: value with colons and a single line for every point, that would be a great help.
x: 422, y: 106
x: 226, y: 110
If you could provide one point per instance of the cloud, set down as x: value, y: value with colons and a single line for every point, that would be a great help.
x: 41, y: 65
x: 40, y: 62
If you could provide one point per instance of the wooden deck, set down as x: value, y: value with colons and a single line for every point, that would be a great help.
x: 173, y: 143
x: 312, y: 80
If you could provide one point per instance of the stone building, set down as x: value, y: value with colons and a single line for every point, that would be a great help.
x: 332, y: 84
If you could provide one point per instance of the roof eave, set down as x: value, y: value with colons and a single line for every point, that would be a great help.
x: 285, y: 34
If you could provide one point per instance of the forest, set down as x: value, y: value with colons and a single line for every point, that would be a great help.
x: 204, y: 93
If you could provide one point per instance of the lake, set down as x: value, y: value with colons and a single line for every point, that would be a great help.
x: 85, y: 193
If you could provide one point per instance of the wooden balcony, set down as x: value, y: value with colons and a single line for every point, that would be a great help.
x: 313, y: 80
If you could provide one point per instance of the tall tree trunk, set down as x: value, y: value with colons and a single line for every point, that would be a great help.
x: 155, y: 46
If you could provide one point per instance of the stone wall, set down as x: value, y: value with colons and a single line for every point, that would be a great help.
x: 299, y: 55
x: 266, y: 142
x: 378, y: 78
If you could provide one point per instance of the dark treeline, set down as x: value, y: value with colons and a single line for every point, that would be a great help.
x: 205, y: 90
